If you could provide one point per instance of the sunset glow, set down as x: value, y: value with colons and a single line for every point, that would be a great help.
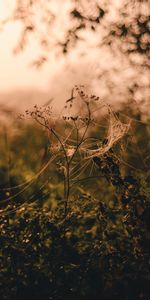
x: 74, y: 150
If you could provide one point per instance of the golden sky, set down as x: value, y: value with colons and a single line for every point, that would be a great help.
x: 60, y: 74
x: 16, y: 71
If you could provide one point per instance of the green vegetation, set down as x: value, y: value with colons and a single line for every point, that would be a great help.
x: 74, y: 204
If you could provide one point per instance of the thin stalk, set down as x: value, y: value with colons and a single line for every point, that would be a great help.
x: 83, y: 136
x: 67, y: 175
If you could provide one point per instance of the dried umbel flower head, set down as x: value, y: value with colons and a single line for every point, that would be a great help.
x: 42, y: 115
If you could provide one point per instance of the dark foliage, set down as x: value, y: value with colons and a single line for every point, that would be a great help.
x: 99, y: 248
x: 98, y: 251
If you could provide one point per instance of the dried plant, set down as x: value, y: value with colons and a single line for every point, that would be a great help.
x: 70, y: 135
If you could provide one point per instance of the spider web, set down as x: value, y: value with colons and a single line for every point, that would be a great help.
x: 116, y: 131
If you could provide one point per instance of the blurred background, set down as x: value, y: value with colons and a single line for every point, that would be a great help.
x: 46, y: 47
x: 97, y: 242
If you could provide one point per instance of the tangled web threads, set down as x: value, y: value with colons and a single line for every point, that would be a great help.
x: 116, y: 131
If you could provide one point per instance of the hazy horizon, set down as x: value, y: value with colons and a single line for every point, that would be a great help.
x: 108, y: 76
